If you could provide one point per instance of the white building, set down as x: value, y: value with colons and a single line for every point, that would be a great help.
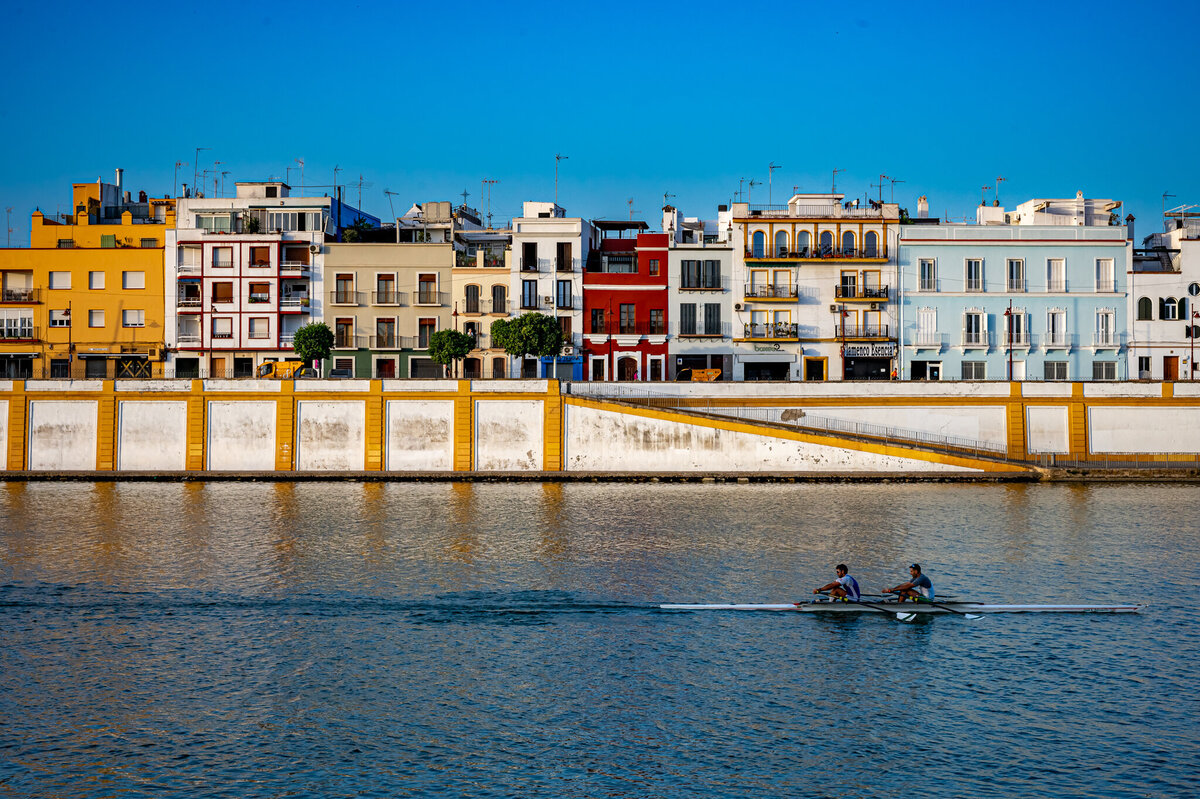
x: 700, y: 295
x: 1164, y: 287
x: 814, y: 285
x: 243, y: 273
x: 548, y: 252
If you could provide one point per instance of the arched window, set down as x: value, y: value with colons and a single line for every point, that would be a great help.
x: 1145, y: 309
x: 871, y: 243
x: 803, y: 242
x: 472, y: 299
x: 826, y: 243
x: 848, y: 243
x: 1169, y: 309
x: 781, y: 249
x: 760, y: 244
x: 499, y: 299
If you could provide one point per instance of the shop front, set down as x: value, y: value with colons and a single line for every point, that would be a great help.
x: 767, y: 362
x: 872, y: 361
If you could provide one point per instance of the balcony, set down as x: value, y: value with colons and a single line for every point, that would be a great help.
x: 567, y: 265
x: 340, y: 297
x: 928, y: 339
x: 191, y: 339
x: 535, y: 264
x: 529, y: 303
x: 348, y: 341
x: 19, y: 332
x: 224, y: 334
x: 431, y: 297
x: 976, y: 339
x: 293, y: 304
x: 189, y: 269
x: 860, y: 332
x: 568, y: 304
x: 392, y: 342
x: 287, y: 340
x: 387, y: 297
x: 855, y: 292
x: 772, y: 331
x: 822, y: 254
x: 635, y: 329
x: 770, y: 293
x: 293, y: 267
x: 1057, y: 340
x: 189, y: 304
x: 258, y: 298
x: 705, y: 285
x: 1107, y: 340
x: 1018, y: 338
x: 20, y: 296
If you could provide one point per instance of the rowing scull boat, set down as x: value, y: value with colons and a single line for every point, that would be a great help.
x: 915, y: 607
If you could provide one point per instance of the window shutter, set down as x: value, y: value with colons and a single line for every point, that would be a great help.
x: 1162, y: 308
x: 1182, y: 306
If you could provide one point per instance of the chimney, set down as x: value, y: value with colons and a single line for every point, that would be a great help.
x: 120, y: 180
x: 1129, y: 227
x: 922, y: 207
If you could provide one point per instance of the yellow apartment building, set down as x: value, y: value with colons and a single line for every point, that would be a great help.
x: 86, y: 299
x: 480, y: 282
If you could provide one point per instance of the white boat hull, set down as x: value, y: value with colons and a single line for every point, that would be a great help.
x: 915, y: 607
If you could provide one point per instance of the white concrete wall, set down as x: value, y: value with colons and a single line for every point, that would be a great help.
x: 331, y: 386
x: 1047, y: 429
x: 156, y: 386
x: 419, y: 385
x: 881, y: 389
x: 419, y: 436
x: 331, y: 435
x: 508, y: 435
x: 62, y: 435
x: 64, y: 385
x: 511, y: 386
x: 1046, y: 389
x: 600, y: 440
x: 241, y: 436
x: 1122, y: 389
x: 152, y: 436
x: 1112, y: 429
x: 4, y: 434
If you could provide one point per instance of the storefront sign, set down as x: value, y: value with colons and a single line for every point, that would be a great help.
x: 884, y: 350
x: 766, y: 348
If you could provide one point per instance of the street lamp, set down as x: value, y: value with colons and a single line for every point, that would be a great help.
x: 1192, y: 337
x: 1008, y: 317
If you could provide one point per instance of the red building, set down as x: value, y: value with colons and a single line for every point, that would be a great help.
x: 625, y: 303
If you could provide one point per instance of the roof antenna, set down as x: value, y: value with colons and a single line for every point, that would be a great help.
x: 998, y: 182
x: 488, y: 183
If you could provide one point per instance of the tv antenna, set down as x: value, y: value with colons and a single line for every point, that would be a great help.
x: 216, y: 172
x: 750, y: 188
x: 336, y: 169
x: 223, y: 174
x: 770, y: 175
x: 983, y: 195
x: 833, y: 187
x: 666, y: 197
x: 175, y: 184
x: 1164, y: 198
x: 196, y: 164
x: 557, y: 157
x: 390, y: 194
x: 741, y: 182
x: 486, y: 187
x: 300, y: 161
x: 879, y: 185
x: 894, y: 182
x: 362, y: 183
x: 999, y: 180
x: 8, y: 211
x: 629, y: 202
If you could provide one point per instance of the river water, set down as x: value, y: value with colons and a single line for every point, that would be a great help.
x: 341, y: 639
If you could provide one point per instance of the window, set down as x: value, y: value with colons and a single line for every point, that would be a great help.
x: 657, y: 323
x: 826, y: 243
x: 928, y: 276
x: 133, y: 318
x: 1104, y: 328
x: 1016, y: 274
x: 385, y: 332
x: 260, y: 256
x: 1144, y: 369
x: 619, y: 264
x: 222, y: 292
x: 849, y: 285
x: 427, y: 293
x: 343, y: 334
x: 653, y: 267
x: 1145, y: 309
x: 260, y: 292
x: 96, y: 318
x: 760, y: 244
x: 133, y: 280
x: 871, y: 244
x: 627, y: 319
x: 472, y: 299
x: 1167, y: 309
x: 96, y: 280
x: 974, y: 370
x: 95, y: 367
x: 712, y: 318
x: 781, y: 244
x: 700, y: 275
x: 1105, y: 277
x: 1104, y: 370
x: 149, y: 244
x: 66, y: 244
x: 1056, y: 328
x: 802, y: 243
x: 974, y: 328
x: 213, y: 223
x: 529, y: 294
x: 499, y: 299
x: 564, y: 324
x: 60, y: 318
x: 974, y: 274
x: 222, y: 256
x: 108, y: 241
x: 385, y: 289
x: 260, y: 327
x: 1056, y: 274
x: 1054, y: 370
x: 295, y: 220
x: 425, y: 329
x: 343, y: 290
x: 597, y: 320
x: 687, y: 319
x: 927, y: 334
x: 1016, y: 328
x: 847, y: 243
x: 60, y: 280
x: 562, y: 294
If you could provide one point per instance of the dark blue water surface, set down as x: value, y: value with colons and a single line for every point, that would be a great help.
x: 339, y: 639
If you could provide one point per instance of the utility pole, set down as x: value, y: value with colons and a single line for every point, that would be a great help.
x: 196, y: 165
x: 557, y: 157
x: 770, y: 181
x: 1008, y: 315
x: 336, y: 169
x: 1192, y: 338
x: 833, y: 188
x: 487, y: 184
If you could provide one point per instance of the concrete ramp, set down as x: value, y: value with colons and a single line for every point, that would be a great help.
x: 618, y: 436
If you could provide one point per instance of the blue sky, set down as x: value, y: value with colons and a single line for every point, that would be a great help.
x: 428, y: 99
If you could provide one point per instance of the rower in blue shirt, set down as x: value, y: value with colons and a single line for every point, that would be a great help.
x: 844, y: 587
x: 918, y: 588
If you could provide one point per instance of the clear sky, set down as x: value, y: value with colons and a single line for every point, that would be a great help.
x: 428, y: 99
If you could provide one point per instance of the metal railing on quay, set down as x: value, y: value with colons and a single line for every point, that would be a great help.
x: 1118, y: 461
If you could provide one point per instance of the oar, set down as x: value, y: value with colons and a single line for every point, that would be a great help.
x: 898, y: 615
x: 968, y: 616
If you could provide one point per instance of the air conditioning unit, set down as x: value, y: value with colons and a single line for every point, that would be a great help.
x: 314, y: 248
x: 874, y: 306
x: 547, y: 299
x: 154, y: 353
x: 737, y: 306
x: 568, y: 350
x: 833, y: 308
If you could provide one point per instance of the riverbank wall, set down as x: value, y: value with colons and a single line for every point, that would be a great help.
x: 488, y: 429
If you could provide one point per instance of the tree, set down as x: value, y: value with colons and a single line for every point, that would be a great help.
x: 448, y: 346
x: 354, y: 233
x: 529, y: 334
x: 313, y: 342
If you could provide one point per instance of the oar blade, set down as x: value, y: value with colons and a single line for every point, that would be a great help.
x: 906, y: 617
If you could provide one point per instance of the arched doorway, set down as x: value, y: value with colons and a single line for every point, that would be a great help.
x: 472, y: 368
x: 627, y: 368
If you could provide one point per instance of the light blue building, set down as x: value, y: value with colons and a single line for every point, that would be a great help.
x: 1036, y: 293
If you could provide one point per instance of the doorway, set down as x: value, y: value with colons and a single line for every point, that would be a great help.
x: 627, y: 369
x: 656, y: 369
x: 1018, y: 371
x: 926, y: 370
x: 816, y: 368
x: 218, y: 368
x: 1170, y: 367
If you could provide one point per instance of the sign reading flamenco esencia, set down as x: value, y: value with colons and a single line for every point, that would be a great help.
x: 881, y: 350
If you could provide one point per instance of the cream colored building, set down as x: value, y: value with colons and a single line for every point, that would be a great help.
x: 480, y: 287
x: 383, y: 303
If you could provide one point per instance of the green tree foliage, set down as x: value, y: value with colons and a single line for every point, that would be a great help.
x: 313, y: 342
x: 448, y: 346
x: 529, y: 334
x: 354, y: 233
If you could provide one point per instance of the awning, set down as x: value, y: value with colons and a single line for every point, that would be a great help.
x: 767, y: 357
x: 19, y: 354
